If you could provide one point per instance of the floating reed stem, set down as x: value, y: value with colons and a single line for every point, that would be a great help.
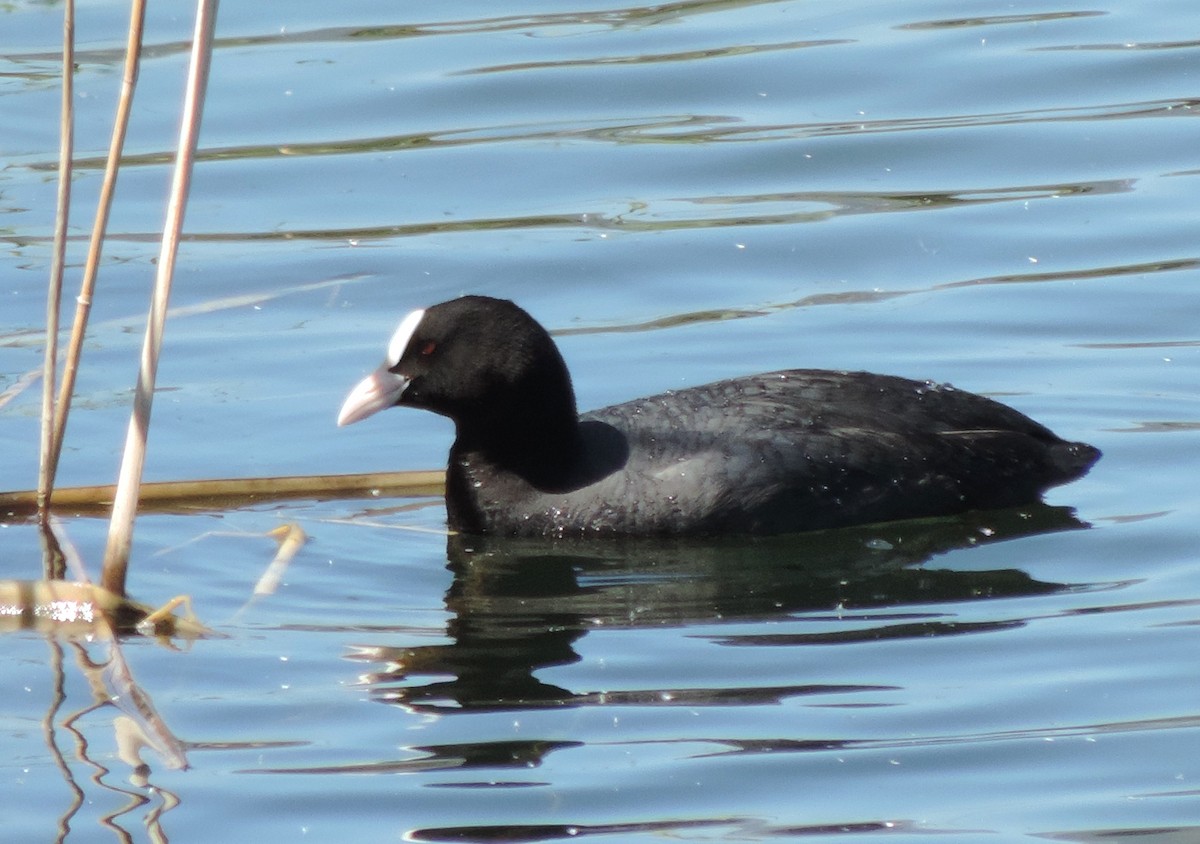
x: 83, y: 303
x: 291, y: 539
x: 54, y: 293
x: 231, y: 492
x: 120, y: 533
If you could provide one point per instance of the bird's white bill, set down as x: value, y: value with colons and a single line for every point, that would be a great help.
x: 378, y: 391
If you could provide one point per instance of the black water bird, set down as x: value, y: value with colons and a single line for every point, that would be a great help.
x: 779, y: 452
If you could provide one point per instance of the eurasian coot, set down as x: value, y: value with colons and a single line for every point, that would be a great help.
x: 779, y: 452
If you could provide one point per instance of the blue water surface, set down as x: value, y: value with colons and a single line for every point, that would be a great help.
x: 995, y: 195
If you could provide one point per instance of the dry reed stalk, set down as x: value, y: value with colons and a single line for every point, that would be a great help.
x: 291, y: 538
x: 83, y: 302
x: 120, y: 533
x: 208, y: 494
x: 66, y: 147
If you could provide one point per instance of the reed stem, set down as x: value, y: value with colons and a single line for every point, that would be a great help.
x: 120, y: 533
x: 83, y: 302
x: 47, y: 460
x: 237, y: 492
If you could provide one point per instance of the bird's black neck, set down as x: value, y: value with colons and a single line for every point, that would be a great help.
x: 533, y: 431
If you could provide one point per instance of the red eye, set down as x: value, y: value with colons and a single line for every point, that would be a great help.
x: 428, y: 348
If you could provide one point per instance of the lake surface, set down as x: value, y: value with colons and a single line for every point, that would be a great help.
x: 1002, y: 196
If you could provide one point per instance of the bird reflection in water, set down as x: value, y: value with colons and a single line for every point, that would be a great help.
x: 521, y: 606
